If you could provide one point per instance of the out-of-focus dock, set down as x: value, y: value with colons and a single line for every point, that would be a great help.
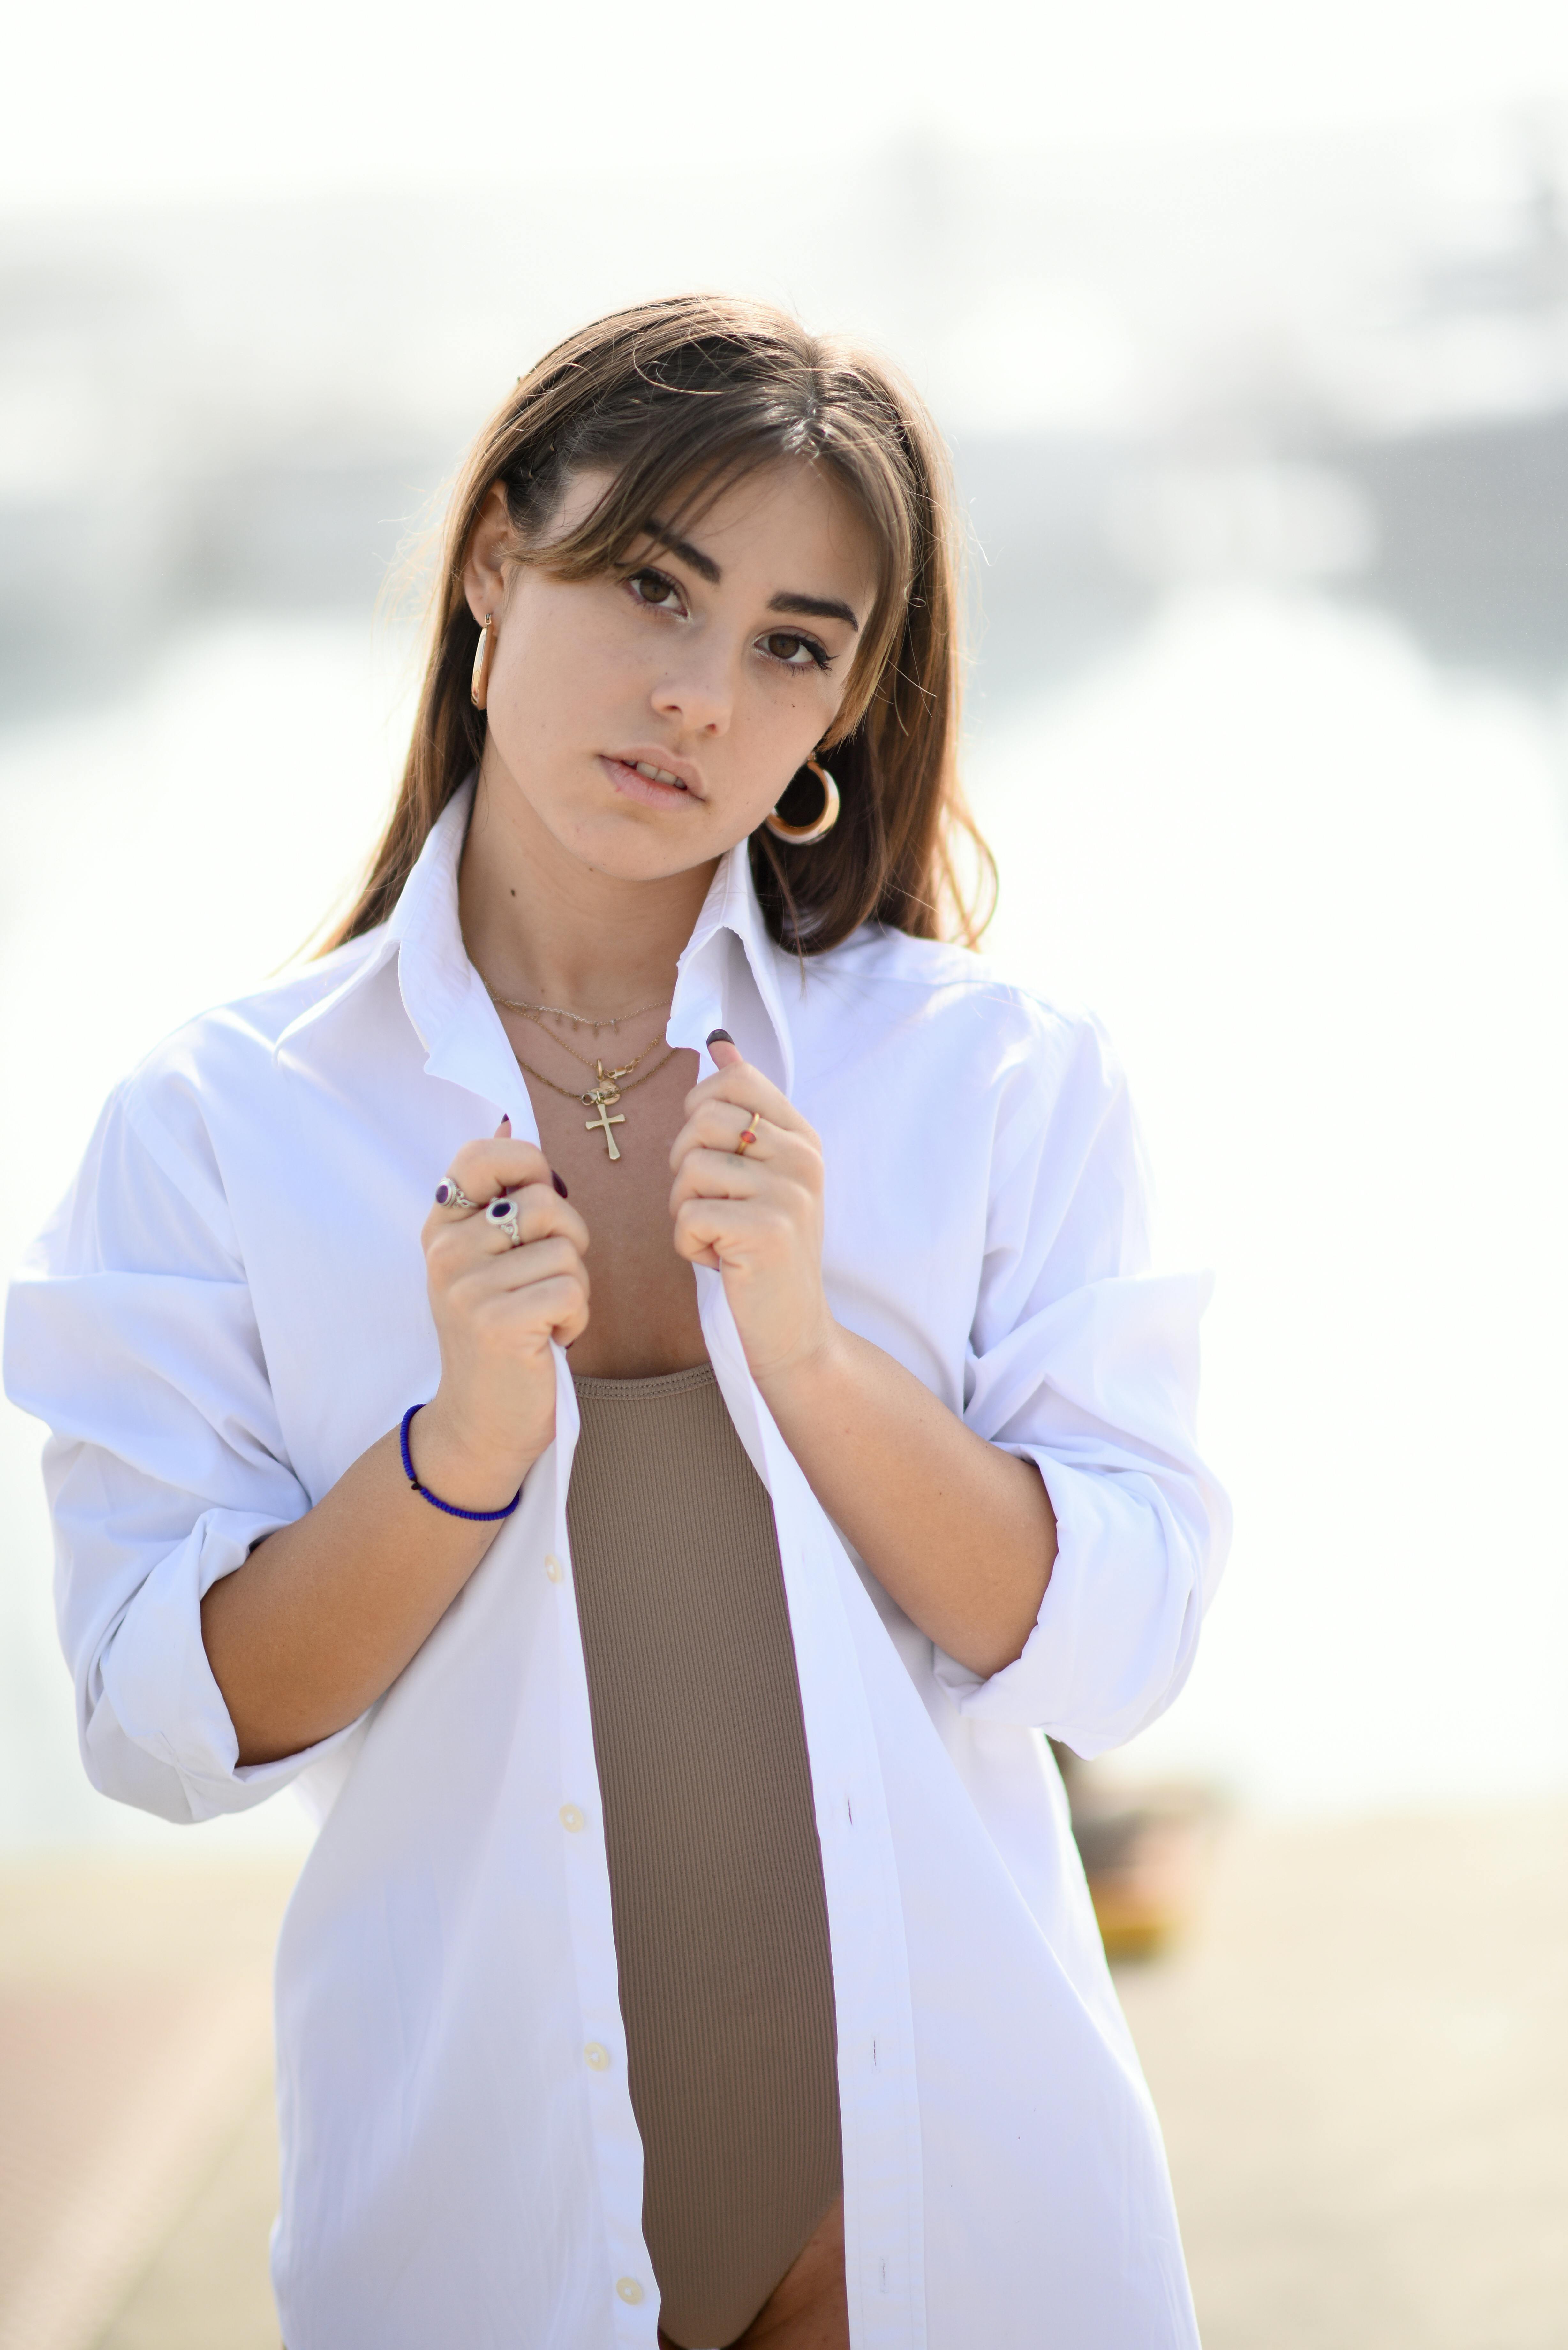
x: 1359, y: 2052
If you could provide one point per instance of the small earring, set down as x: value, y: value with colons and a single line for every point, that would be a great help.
x: 479, y: 684
x: 806, y: 835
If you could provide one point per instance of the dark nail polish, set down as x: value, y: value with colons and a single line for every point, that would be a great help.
x: 558, y: 1184
x: 720, y: 1037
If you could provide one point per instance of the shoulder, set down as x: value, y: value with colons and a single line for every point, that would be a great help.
x: 237, y: 1042
x: 150, y: 1188
x: 952, y: 998
x: 214, y: 1077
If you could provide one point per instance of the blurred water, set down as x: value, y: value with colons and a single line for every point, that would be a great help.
x: 1318, y: 892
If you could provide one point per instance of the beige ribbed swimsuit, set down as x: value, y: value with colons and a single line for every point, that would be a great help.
x: 720, y: 1922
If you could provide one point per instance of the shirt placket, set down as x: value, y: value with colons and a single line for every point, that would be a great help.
x: 879, y: 2110
x: 473, y: 1051
x: 600, y: 2056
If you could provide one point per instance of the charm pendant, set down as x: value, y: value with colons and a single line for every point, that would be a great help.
x: 602, y: 1098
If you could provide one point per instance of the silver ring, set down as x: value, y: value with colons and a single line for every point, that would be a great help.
x: 503, y: 1215
x: 450, y: 1194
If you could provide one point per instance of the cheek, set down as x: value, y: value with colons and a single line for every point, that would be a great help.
x: 550, y: 680
x: 788, y: 720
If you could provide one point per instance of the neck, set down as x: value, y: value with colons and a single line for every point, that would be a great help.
x: 542, y: 927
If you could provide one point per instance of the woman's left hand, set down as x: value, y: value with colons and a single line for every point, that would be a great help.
x: 756, y: 1214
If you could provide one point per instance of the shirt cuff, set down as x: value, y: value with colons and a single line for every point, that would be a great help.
x: 1117, y: 1629
x: 155, y: 1730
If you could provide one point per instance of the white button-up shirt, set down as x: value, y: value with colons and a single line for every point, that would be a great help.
x: 230, y: 1306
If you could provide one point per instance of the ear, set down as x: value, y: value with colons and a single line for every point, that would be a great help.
x: 490, y: 551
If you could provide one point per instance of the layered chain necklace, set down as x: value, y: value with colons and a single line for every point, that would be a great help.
x: 602, y: 1096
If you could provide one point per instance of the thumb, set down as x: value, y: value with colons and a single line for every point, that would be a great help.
x: 725, y: 1049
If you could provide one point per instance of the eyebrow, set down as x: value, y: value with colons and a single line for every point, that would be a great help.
x: 683, y: 549
x: 816, y: 608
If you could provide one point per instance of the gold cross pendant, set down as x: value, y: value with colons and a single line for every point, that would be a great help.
x: 601, y: 1098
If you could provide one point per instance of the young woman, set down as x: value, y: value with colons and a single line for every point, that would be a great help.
x: 659, y: 1585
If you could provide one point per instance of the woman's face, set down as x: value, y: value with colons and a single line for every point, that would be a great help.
x: 718, y: 659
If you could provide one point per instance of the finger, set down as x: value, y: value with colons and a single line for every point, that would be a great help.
x: 494, y: 1297
x: 726, y: 1052
x: 707, y: 1230
x: 501, y: 1163
x: 514, y: 1270
x: 716, y: 1175
x: 747, y: 1087
x: 716, y: 1125
x: 451, y: 1239
x: 556, y: 1304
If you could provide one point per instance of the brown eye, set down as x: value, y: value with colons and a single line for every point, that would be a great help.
x: 653, y: 588
x: 795, y: 653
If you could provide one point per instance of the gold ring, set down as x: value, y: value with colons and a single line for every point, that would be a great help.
x: 750, y: 1136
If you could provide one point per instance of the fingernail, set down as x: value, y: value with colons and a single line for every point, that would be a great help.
x: 720, y: 1037
x: 558, y: 1184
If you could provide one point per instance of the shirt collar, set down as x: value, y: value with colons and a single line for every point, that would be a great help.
x: 729, y: 976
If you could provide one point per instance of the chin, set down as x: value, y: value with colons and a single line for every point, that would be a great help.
x: 641, y: 851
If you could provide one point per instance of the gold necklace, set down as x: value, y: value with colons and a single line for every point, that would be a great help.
x: 580, y: 1019
x: 601, y: 1097
x: 588, y: 1060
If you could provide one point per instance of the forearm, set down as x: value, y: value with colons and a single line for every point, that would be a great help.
x: 325, y: 1614
x: 959, y: 1534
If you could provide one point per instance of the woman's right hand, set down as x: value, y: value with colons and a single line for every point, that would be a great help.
x: 496, y: 1309
x: 326, y: 1612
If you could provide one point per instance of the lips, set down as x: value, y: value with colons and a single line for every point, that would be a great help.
x: 640, y: 775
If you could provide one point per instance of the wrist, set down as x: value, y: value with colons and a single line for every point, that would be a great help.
x: 808, y: 1378
x: 466, y: 1473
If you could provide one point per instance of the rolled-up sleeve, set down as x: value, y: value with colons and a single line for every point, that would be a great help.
x: 130, y: 1331
x: 1083, y: 1362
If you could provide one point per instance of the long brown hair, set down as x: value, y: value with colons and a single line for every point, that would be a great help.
x: 676, y: 400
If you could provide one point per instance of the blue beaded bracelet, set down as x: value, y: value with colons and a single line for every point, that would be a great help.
x: 481, y: 1516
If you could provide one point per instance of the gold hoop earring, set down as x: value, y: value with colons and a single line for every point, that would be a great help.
x: 806, y: 835
x: 479, y: 683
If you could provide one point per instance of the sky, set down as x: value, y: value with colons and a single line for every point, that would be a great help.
x: 173, y: 99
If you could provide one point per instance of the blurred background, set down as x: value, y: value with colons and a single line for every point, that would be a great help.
x: 1248, y: 326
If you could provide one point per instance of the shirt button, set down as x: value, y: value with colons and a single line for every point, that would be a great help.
x: 571, y: 1817
x: 554, y: 1568
x: 598, y: 2057
x: 628, y: 2288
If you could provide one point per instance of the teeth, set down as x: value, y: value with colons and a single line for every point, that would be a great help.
x: 659, y: 774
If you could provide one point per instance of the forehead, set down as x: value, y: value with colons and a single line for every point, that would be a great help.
x: 786, y: 516
x: 789, y: 508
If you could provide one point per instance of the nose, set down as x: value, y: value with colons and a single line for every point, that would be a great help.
x: 699, y: 692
